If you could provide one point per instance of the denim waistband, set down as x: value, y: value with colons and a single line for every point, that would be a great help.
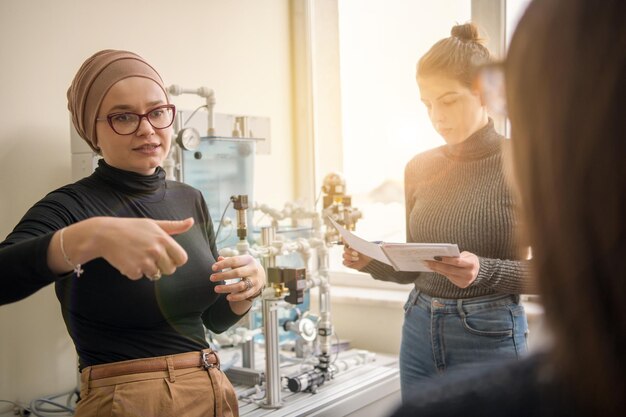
x: 452, y: 304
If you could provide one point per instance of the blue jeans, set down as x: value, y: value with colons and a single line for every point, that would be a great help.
x: 445, y: 335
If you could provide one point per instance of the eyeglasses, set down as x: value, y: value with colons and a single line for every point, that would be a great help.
x: 127, y: 123
x: 489, y: 80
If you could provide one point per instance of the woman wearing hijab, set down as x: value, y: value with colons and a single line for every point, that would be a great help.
x: 132, y: 256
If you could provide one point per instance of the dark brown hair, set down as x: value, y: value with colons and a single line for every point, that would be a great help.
x: 566, y: 85
x: 457, y: 56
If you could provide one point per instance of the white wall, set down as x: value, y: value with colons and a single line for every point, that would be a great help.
x: 240, y: 48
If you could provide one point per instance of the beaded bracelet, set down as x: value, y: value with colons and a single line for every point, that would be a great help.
x: 78, y: 270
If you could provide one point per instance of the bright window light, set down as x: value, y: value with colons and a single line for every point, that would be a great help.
x: 384, y: 122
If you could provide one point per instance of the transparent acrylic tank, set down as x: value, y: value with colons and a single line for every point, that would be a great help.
x: 222, y: 167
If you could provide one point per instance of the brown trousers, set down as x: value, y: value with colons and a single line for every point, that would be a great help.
x: 188, y: 392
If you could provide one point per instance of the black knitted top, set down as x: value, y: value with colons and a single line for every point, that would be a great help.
x: 458, y: 194
x: 110, y: 317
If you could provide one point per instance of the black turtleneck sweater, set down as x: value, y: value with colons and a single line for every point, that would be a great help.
x: 458, y: 194
x: 110, y: 317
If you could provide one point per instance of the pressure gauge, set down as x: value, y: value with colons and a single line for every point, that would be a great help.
x: 188, y: 139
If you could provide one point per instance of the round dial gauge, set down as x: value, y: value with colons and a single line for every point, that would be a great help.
x: 188, y: 139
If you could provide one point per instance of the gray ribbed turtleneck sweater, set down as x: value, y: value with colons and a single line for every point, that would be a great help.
x: 458, y: 194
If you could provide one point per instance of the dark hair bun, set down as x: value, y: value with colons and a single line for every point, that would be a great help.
x: 467, y: 32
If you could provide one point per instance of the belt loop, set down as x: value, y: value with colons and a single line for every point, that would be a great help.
x: 459, y: 307
x: 85, y: 379
x: 415, y: 296
x: 170, y: 368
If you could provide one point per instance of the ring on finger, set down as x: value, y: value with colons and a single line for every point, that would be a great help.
x: 157, y: 275
x: 248, y: 283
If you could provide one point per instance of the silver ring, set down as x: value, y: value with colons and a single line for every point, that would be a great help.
x: 156, y: 276
x: 248, y: 283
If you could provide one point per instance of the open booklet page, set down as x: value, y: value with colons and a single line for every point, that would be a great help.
x: 410, y: 256
x: 401, y: 256
x: 373, y: 250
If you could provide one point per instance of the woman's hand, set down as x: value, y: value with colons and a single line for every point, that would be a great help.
x: 461, y: 271
x: 251, y: 284
x: 135, y: 247
x: 353, y: 259
x: 144, y: 247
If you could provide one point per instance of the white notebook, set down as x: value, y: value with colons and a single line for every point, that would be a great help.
x: 407, y: 257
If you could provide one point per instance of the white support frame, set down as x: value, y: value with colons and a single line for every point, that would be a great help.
x: 317, y: 100
x: 490, y: 15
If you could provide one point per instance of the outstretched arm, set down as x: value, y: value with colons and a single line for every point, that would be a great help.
x: 31, y: 257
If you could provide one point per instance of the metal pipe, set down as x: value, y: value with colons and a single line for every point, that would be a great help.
x: 272, y: 365
x: 325, y: 326
x: 267, y: 237
x: 247, y: 349
x: 204, y: 92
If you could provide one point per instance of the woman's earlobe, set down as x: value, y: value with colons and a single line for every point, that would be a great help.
x: 477, y: 92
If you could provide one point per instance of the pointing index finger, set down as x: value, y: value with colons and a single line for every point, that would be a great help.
x: 176, y: 252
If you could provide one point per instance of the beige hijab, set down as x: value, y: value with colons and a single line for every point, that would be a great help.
x: 94, y: 79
